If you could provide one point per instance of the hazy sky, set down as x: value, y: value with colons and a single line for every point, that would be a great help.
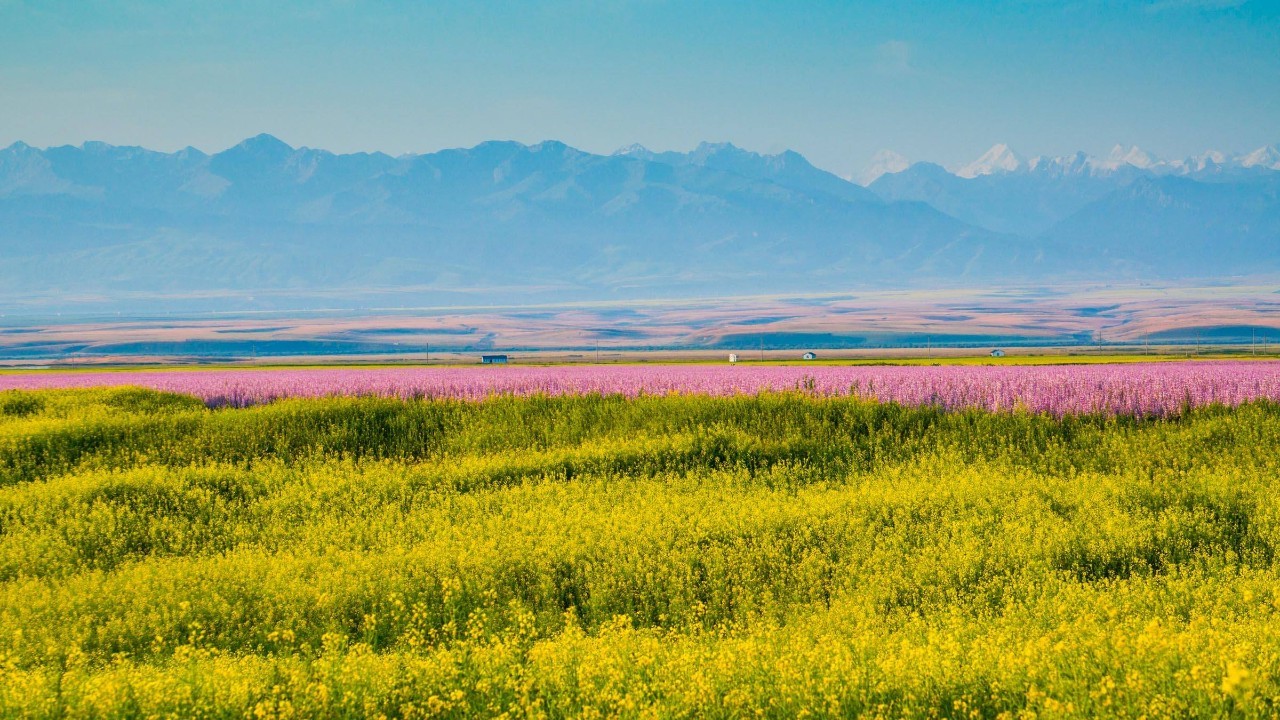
x: 836, y: 81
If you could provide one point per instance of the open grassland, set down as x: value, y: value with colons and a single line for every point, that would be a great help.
x: 867, y: 322
x: 777, y: 555
x: 649, y: 358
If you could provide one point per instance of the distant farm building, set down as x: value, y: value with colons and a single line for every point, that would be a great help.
x: 733, y: 357
x: 810, y: 356
x: 493, y: 359
x: 997, y: 353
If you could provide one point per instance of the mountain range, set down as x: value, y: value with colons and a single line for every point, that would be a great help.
x: 1125, y: 206
x: 1003, y: 159
x: 265, y: 225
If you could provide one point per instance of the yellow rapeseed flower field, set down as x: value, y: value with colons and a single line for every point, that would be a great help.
x: 766, y: 556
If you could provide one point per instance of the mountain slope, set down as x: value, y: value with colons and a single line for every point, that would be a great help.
x: 1001, y: 192
x: 266, y: 225
x: 502, y: 219
x: 1176, y: 227
x: 1023, y: 203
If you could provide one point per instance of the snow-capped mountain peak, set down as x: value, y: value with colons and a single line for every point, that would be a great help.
x: 1205, y: 161
x: 1077, y: 163
x: 999, y: 159
x: 1132, y: 155
x: 634, y: 149
x: 885, y: 162
x: 1267, y: 156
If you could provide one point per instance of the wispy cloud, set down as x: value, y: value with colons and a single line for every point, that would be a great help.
x: 893, y: 58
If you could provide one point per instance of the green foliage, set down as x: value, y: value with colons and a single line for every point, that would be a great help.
x: 779, y: 555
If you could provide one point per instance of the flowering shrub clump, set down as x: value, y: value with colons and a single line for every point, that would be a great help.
x: 1131, y: 388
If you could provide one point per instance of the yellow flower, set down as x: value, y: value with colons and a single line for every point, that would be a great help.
x: 1235, y: 678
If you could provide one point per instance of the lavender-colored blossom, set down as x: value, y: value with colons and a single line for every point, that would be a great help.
x: 1131, y: 389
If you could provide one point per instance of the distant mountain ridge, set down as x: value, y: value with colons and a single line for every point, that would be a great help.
x: 266, y: 225
x: 1003, y: 159
x: 1040, y: 197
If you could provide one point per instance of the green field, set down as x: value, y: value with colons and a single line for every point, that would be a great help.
x: 777, y: 556
x: 1019, y: 356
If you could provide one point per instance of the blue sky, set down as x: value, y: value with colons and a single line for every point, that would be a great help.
x: 836, y: 81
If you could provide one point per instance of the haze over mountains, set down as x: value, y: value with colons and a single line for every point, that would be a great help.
x: 265, y: 225
x: 1003, y: 159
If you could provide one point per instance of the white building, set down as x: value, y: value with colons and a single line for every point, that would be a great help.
x: 810, y: 355
x: 733, y: 357
x: 997, y: 353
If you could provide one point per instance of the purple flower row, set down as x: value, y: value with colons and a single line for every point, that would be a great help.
x: 1137, y: 388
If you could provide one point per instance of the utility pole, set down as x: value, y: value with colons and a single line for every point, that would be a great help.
x: 428, y: 353
x: 761, y: 348
x: 597, y: 352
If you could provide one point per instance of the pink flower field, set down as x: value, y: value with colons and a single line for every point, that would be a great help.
x: 1137, y: 388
